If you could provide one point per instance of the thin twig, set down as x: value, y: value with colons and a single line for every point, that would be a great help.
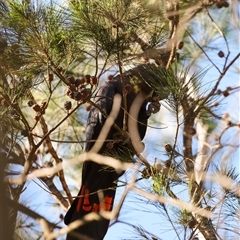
x: 210, y: 60
x: 54, y: 154
x: 222, y: 34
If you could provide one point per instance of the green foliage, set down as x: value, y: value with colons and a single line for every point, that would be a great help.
x: 185, y: 218
x: 159, y: 181
x: 159, y: 80
x: 183, y: 86
x: 39, y: 37
x: 114, y: 25
x: 121, y: 152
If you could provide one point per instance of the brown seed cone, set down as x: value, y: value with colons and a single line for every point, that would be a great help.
x: 36, y: 118
x: 68, y: 105
x: 24, y: 132
x: 158, y: 167
x: 78, y: 82
x: 180, y: 45
x: 226, y: 93
x: 72, y: 87
x: 168, y: 163
x: 85, y: 92
x: 60, y: 69
x: 88, y: 108
x: 36, y: 108
x: 77, y: 96
x: 221, y: 54
x: 110, y: 77
x: 229, y: 123
x: 225, y: 4
x: 88, y: 78
x: 219, y: 4
x: 70, y: 80
x: 50, y: 77
x: 168, y: 147
x: 30, y: 103
x: 93, y: 80
x: 83, y: 80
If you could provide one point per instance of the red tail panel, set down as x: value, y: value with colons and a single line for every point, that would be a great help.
x: 108, y: 201
x: 85, y: 204
x: 80, y: 200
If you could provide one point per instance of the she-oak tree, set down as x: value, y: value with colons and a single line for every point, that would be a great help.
x: 53, y: 60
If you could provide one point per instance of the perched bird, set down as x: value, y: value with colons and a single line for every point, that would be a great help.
x: 99, y: 178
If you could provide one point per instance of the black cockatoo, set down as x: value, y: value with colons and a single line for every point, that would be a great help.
x: 97, y: 177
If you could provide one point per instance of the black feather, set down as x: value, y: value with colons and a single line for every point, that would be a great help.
x: 97, y: 177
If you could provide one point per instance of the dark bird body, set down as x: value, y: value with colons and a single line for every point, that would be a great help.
x: 97, y: 177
